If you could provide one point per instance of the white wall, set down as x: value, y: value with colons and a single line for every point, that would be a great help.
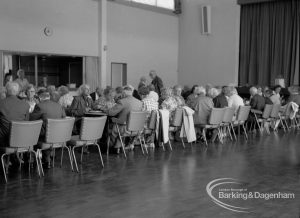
x: 74, y: 24
x: 208, y: 59
x: 144, y: 40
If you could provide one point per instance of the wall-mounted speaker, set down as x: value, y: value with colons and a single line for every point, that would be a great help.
x: 206, y: 19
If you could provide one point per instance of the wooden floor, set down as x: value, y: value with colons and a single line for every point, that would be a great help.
x: 164, y: 184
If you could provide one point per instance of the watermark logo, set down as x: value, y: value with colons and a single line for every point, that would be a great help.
x: 229, y: 189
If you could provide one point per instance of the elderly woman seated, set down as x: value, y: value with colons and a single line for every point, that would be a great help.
x: 31, y: 97
x: 170, y: 103
x: 66, y: 98
x: 106, y: 101
x: 192, y: 98
x: 149, y: 104
x: 177, y: 90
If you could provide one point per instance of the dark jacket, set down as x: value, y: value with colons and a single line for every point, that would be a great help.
x: 220, y: 101
x: 11, y: 109
x: 47, y: 110
x: 158, y: 85
x: 258, y: 102
x: 93, y: 96
x: 79, y: 105
x: 123, y: 107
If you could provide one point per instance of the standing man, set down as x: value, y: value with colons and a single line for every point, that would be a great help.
x: 157, y: 82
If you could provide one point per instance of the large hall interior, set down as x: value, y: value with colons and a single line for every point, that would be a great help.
x: 150, y: 108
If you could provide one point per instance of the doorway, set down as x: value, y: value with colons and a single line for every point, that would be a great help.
x: 118, y: 74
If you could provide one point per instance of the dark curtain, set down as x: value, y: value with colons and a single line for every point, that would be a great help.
x: 269, y: 42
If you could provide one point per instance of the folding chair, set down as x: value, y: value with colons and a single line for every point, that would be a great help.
x: 23, y: 136
x: 227, y: 121
x: 90, y: 132
x: 215, y: 121
x: 177, y: 124
x: 262, y: 117
x: 150, y: 128
x: 134, y: 128
x: 241, y: 118
x: 58, y: 133
x: 274, y: 116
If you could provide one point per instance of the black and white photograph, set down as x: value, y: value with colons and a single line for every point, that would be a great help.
x: 149, y: 109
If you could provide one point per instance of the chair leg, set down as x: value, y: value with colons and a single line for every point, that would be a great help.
x: 70, y: 156
x: 108, y: 142
x: 141, y: 144
x: 53, y: 158
x: 3, y: 166
x: 229, y: 132
x: 170, y: 145
x: 245, y: 131
x: 183, y: 145
x: 204, y: 136
x: 62, y: 155
x: 39, y: 161
x: 220, y: 135
x: 29, y: 161
x: 144, y: 141
x: 38, y: 166
x: 100, y: 155
x: 123, y: 147
x: 233, y: 131
x: 81, y: 155
x: 74, y: 157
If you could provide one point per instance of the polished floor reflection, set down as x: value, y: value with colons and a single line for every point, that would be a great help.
x: 164, y: 184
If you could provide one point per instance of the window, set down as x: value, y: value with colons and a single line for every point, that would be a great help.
x: 167, y: 4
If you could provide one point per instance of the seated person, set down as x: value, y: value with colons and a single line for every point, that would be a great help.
x: 97, y: 94
x: 152, y: 93
x: 267, y: 95
x: 177, y: 90
x: 192, y: 98
x: 221, y: 100
x: 203, y: 107
x: 257, y: 102
x: 11, y: 109
x: 235, y: 100
x: 82, y: 103
x: 121, y: 111
x: 169, y: 102
x: 80, y: 106
x: 46, y: 109
x: 149, y: 104
x: 275, y: 97
x: 30, y: 97
x: 294, y: 96
x: 106, y: 101
x: 66, y: 98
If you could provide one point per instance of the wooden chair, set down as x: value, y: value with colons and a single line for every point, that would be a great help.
x: 23, y: 136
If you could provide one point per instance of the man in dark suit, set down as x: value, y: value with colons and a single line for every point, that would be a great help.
x: 221, y: 101
x: 121, y: 111
x: 11, y: 109
x: 157, y: 82
x: 97, y: 94
x: 257, y: 101
x: 47, y: 109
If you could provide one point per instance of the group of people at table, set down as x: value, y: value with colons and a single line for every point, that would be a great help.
x: 21, y: 101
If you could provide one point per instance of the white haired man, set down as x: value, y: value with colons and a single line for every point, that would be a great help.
x: 121, y: 111
x: 203, y: 107
x: 11, y: 108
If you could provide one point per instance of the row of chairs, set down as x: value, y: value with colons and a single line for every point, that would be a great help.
x: 24, y: 136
